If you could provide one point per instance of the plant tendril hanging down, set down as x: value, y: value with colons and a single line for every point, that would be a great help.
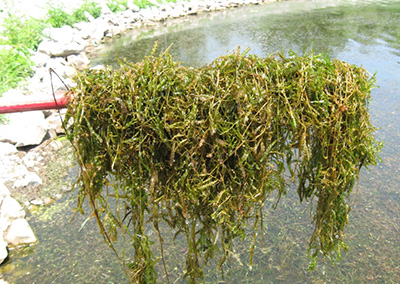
x: 201, y: 149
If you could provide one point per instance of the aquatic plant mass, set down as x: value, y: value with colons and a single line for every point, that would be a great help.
x: 201, y: 149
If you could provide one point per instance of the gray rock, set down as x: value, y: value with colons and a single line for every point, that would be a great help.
x: 132, y: 6
x: 192, y: 8
x: 19, y: 233
x: 88, y: 16
x: 11, y: 209
x: 147, y: 13
x: 7, y: 149
x: 98, y: 67
x: 100, y: 27
x: 4, y: 192
x: 12, y: 96
x: 24, y: 129
x: 30, y: 179
x: 84, y: 30
x: 62, y: 35
x: 54, y: 124
x: 11, y: 168
x: 4, y: 224
x: 129, y: 16
x: 61, y: 67
x: 37, y: 202
x: 80, y: 61
x: 47, y: 201
x: 31, y: 159
x: 3, y: 249
x: 105, y: 10
x: 40, y: 59
x: 56, y: 49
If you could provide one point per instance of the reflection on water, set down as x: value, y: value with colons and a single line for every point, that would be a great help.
x: 363, y: 33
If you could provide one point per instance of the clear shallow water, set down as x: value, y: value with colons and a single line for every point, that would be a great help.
x: 360, y: 32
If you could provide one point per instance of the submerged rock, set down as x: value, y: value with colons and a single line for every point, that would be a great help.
x: 11, y: 209
x: 30, y: 179
x: 14, y: 229
x: 19, y: 233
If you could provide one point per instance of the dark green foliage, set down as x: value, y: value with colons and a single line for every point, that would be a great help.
x: 202, y: 149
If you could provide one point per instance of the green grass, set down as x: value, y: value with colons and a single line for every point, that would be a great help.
x: 22, y: 35
x: 92, y: 8
x: 57, y: 17
x: 15, y: 66
x: 117, y: 5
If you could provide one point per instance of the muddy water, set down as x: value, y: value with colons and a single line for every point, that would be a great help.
x: 365, y: 33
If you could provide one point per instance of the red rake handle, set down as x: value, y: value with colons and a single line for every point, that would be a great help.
x: 60, y: 101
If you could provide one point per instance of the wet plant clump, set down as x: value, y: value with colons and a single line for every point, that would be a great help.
x: 201, y: 150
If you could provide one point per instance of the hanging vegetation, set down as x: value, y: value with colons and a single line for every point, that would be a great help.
x: 202, y: 149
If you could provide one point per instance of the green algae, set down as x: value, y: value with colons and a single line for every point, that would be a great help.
x: 202, y: 149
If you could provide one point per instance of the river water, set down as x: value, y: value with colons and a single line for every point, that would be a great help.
x: 365, y: 33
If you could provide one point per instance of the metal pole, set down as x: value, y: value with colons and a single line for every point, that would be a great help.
x: 60, y: 101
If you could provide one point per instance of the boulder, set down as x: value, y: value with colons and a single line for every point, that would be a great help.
x: 4, y: 192
x: 24, y: 129
x: 37, y: 202
x: 40, y: 59
x: 54, y: 124
x: 80, y: 61
x: 89, y: 16
x: 101, y: 27
x: 132, y: 6
x: 4, y: 224
x: 12, y: 168
x: 56, y: 49
x: 11, y: 209
x: 63, y: 35
x: 19, y: 233
x: 30, y: 179
x: 3, y: 249
x: 7, y: 149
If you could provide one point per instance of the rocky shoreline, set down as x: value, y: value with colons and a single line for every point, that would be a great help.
x: 28, y: 142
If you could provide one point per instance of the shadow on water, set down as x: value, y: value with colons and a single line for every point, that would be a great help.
x: 363, y: 33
